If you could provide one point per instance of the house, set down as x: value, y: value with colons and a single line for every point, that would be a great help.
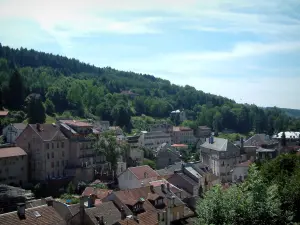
x: 99, y: 193
x: 14, y: 166
x: 203, y: 132
x: 134, y: 155
x: 134, y: 202
x: 152, y: 140
x: 169, y: 170
x: 220, y: 155
x: 240, y: 171
x: 146, y: 218
x: 163, y: 127
x: 263, y: 154
x: 41, y: 215
x: 12, y: 131
x: 256, y: 141
x: 47, y: 149
x: 3, y: 113
x: 166, y: 157
x: 183, y: 135
x: 292, y: 138
x: 135, y: 177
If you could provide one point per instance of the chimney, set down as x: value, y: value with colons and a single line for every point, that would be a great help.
x: 38, y: 127
x: 242, y: 142
x: 49, y: 201
x: 158, y: 217
x: 91, y: 200
x: 123, y: 214
x: 163, y: 188
x: 81, y: 210
x: 168, y: 187
x: 21, y: 210
x: 152, y: 188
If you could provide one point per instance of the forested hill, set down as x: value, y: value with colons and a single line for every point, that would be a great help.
x: 71, y: 87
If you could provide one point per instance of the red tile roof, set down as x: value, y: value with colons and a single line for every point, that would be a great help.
x: 76, y: 123
x: 100, y: 193
x: 48, y: 216
x: 146, y: 218
x: 142, y: 172
x: 158, y: 183
x: 11, y: 152
x: 4, y: 113
x: 179, y: 145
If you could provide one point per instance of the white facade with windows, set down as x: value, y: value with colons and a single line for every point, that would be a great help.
x: 152, y: 140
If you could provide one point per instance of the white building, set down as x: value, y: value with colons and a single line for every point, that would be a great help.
x: 12, y: 131
x: 136, y: 177
x: 220, y: 155
x: 152, y: 140
x: 240, y: 171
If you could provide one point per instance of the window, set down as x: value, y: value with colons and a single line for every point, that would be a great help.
x: 62, y: 162
x: 52, y: 165
x: 52, y: 145
x: 47, y: 145
x: 57, y: 145
x: 62, y: 144
x: 52, y: 155
x: 48, y: 156
x: 63, y: 154
x: 28, y: 146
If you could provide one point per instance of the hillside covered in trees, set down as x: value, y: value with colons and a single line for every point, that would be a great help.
x: 33, y: 81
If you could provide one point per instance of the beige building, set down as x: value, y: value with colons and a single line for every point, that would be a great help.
x: 47, y: 149
x: 13, y: 166
x: 134, y: 155
x: 183, y: 135
x: 152, y: 140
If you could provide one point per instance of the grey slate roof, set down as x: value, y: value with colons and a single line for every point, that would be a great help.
x: 259, y: 139
x: 19, y: 126
x: 170, y: 169
x: 219, y: 144
x: 108, y: 210
x: 265, y: 150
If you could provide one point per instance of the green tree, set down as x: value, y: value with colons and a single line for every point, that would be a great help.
x: 35, y: 109
x: 150, y: 163
x: 49, y: 106
x: 283, y: 139
x: 110, y: 148
x: 70, y: 188
x: 16, y: 91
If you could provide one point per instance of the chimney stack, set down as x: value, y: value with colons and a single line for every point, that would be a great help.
x: 123, y: 214
x: 21, y: 210
x: 49, y: 201
x: 38, y: 127
x: 168, y: 187
x: 163, y: 188
x: 91, y: 200
x: 152, y: 188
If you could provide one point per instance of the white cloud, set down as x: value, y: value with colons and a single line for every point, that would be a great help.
x: 240, y: 50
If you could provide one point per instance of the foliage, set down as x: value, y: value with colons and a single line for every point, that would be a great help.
x: 107, y: 145
x: 71, y: 199
x: 84, y: 90
x: 70, y: 188
x: 35, y: 109
x: 150, y: 163
x: 270, y: 195
x: 231, y: 137
x: 100, y: 186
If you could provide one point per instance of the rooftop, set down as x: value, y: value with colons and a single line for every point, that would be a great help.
x: 258, y: 140
x: 181, y: 129
x: 100, y: 193
x: 108, y: 210
x: 219, y: 144
x: 4, y: 113
x: 76, y: 123
x: 42, y: 215
x: 179, y: 145
x: 288, y: 134
x: 11, y: 152
x: 142, y: 172
x: 244, y: 164
x: 19, y: 126
x: 47, y: 131
x: 265, y: 150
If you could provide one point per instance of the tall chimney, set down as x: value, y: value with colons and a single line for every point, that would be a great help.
x: 38, y: 127
x: 152, y: 188
x: 81, y: 210
x: 123, y: 214
x: 49, y: 201
x: 21, y: 210
x: 168, y: 187
x: 163, y: 188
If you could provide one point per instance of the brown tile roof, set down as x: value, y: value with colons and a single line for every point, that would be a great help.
x: 244, y: 164
x: 181, y: 129
x: 158, y: 183
x: 141, y: 171
x: 48, y: 216
x: 131, y: 196
x: 4, y: 113
x: 100, y: 193
x: 11, y: 152
x: 146, y: 218
x: 108, y: 210
x: 76, y: 123
x: 47, y: 131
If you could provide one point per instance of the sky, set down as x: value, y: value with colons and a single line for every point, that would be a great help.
x: 245, y: 50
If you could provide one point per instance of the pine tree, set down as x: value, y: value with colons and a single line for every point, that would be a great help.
x: 35, y: 109
x: 283, y: 139
x: 16, y: 91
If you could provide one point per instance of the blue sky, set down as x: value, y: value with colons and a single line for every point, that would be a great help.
x: 245, y: 50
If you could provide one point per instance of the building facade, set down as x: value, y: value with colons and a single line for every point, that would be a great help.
x: 221, y: 156
x: 12, y: 131
x: 183, y: 135
x: 152, y: 140
x: 47, y: 149
x: 13, y: 166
